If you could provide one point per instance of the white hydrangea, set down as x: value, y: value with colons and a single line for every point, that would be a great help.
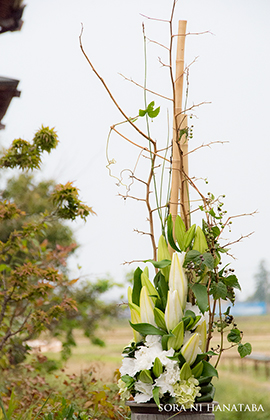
x: 185, y: 392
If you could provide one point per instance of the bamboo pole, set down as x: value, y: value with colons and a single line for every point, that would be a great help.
x: 179, y: 187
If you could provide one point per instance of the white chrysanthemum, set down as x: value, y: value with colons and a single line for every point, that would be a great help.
x: 168, y: 378
x: 145, y: 392
x: 152, y: 340
x: 144, y: 358
x: 172, y: 373
x: 185, y: 392
x: 145, y: 355
x: 164, y: 386
x: 128, y: 367
x: 164, y: 357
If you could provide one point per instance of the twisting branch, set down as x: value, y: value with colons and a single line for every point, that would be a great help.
x: 109, y: 92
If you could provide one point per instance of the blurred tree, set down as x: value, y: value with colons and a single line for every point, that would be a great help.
x: 262, y: 291
x: 34, y: 199
x: 35, y: 291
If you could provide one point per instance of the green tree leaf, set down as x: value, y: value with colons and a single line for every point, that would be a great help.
x: 208, y: 260
x: 234, y: 336
x: 232, y: 281
x: 244, y: 349
x: 219, y: 290
x: 201, y: 296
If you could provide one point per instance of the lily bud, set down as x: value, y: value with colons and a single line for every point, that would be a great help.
x: 145, y: 376
x: 146, y: 271
x: 163, y: 254
x: 173, y: 310
x: 135, y: 319
x: 150, y: 288
x: 129, y: 294
x: 185, y: 372
x: 190, y: 349
x: 202, y: 331
x: 176, y: 341
x: 200, y: 243
x: 157, y: 367
x: 177, y: 278
x: 146, y: 307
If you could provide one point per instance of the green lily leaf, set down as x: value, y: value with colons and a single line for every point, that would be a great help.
x: 156, y: 395
x: 180, y: 231
x: 208, y: 369
x: 159, y: 318
x: 170, y: 234
x: 159, y: 264
x: 137, y: 286
x: 146, y: 329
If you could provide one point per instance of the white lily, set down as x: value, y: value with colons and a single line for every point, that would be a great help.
x: 177, y: 278
x: 202, y: 330
x: 173, y: 310
x: 191, y: 349
x: 147, y: 307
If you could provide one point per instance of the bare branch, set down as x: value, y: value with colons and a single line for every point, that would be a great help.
x: 206, y: 145
x: 158, y: 43
x: 136, y: 144
x: 130, y: 196
x: 195, y: 33
x: 192, y: 107
x: 141, y: 232
x: 238, y: 240
x: 151, y: 18
x: 234, y: 217
x: 131, y: 262
x: 148, y: 90
x: 163, y: 64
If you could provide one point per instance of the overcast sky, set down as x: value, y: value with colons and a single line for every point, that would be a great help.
x: 58, y: 89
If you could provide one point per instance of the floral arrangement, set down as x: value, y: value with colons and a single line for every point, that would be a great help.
x: 173, y: 320
x: 174, y: 317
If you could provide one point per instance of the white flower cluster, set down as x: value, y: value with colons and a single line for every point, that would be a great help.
x: 185, y: 392
x: 168, y: 381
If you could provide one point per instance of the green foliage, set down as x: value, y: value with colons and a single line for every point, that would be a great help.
x: 66, y: 199
x: 33, y: 265
x: 89, y: 312
x: 25, y: 155
x: 27, y: 395
x: 150, y: 111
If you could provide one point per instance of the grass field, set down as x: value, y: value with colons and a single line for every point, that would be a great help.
x: 233, y: 386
